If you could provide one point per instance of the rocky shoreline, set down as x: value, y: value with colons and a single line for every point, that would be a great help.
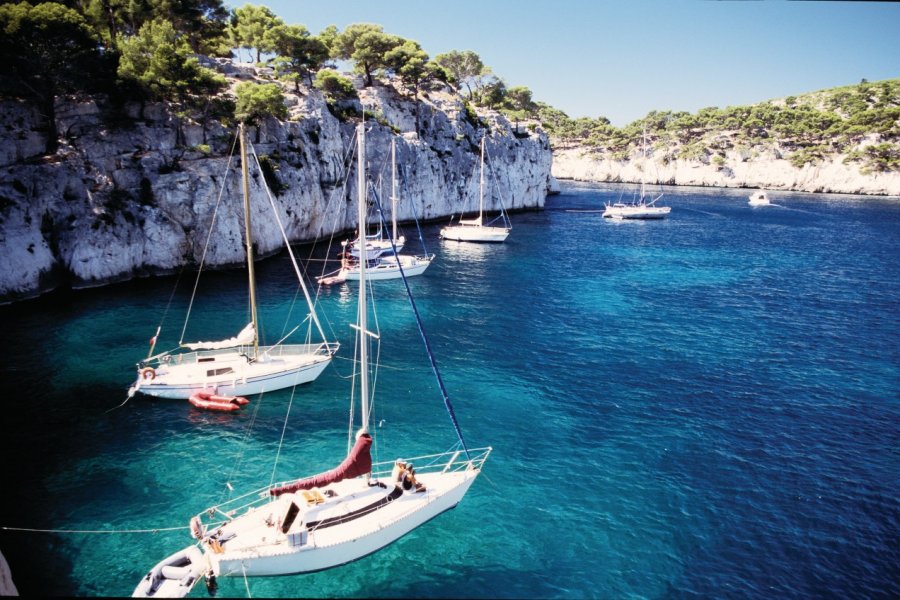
x: 764, y: 170
x: 136, y: 199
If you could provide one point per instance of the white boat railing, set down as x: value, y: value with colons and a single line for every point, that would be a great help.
x: 186, y: 358
x: 444, y: 462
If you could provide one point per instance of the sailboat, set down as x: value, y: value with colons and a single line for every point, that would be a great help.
x: 384, y: 260
x: 237, y: 366
x: 641, y: 209
x: 376, y: 245
x: 337, y: 516
x: 474, y: 230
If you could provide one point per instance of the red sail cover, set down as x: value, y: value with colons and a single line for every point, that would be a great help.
x: 358, y: 462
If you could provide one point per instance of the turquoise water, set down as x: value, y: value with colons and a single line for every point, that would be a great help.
x: 705, y: 406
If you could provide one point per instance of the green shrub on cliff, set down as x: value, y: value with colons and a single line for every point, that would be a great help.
x: 257, y: 101
x: 334, y: 85
x: 158, y: 60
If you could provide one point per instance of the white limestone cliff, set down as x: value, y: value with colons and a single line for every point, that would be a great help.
x: 137, y: 198
x: 766, y: 169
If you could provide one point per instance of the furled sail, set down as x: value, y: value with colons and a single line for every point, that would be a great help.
x: 358, y: 462
x: 245, y: 337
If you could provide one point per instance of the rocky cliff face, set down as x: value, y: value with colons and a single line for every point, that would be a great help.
x: 138, y: 198
x: 765, y: 169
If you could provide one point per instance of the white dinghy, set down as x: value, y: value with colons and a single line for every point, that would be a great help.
x: 174, y: 576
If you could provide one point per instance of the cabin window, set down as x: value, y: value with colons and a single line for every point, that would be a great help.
x: 217, y: 372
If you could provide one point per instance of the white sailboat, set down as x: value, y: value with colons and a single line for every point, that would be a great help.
x: 377, y: 245
x: 759, y: 198
x: 237, y: 366
x: 640, y: 209
x: 343, y: 514
x: 384, y: 261
x: 474, y: 230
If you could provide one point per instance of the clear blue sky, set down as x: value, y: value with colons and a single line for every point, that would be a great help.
x: 621, y: 59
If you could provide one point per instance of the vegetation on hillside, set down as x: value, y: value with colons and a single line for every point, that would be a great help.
x: 805, y: 129
x: 152, y: 50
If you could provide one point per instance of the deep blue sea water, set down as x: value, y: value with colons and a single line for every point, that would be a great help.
x: 702, y: 407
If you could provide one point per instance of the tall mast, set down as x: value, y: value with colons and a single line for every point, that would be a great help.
x: 394, y: 198
x: 363, y: 258
x: 481, y: 185
x: 248, y: 236
x: 644, y: 156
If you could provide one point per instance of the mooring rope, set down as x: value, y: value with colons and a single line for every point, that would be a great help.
x: 93, y: 531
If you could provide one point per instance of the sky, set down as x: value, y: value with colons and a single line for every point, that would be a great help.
x: 621, y: 59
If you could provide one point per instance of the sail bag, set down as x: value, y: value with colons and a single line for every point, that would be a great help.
x: 358, y: 462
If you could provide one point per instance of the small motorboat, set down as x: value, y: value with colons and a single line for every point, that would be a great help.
x: 759, y: 198
x: 173, y: 577
x: 212, y: 401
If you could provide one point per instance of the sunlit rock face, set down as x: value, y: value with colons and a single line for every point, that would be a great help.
x: 137, y: 195
x: 765, y: 168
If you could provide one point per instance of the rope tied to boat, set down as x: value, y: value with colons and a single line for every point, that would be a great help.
x: 93, y: 531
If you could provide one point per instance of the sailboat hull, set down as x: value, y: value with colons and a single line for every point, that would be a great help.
x: 231, y: 373
x: 387, y: 268
x: 334, y: 546
x: 636, y: 211
x: 468, y: 233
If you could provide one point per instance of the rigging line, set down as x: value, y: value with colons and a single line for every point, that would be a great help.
x: 287, y: 414
x: 171, y: 298
x: 93, y: 531
x: 287, y: 242
x: 431, y: 359
x: 377, y: 343
x: 494, y: 179
x: 236, y: 464
x: 345, y: 165
x: 208, y: 238
x: 416, y: 218
x: 246, y: 583
x: 359, y: 337
x: 348, y: 159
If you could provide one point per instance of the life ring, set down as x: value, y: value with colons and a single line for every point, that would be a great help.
x: 148, y: 374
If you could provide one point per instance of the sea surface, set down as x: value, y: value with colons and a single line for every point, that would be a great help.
x: 702, y: 407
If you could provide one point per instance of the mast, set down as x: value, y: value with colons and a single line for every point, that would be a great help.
x: 481, y: 186
x: 394, y: 198
x: 363, y: 259
x: 248, y: 236
x: 644, y: 164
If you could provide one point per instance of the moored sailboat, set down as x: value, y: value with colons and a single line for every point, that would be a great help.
x: 384, y: 258
x: 377, y: 245
x: 641, y: 208
x: 344, y: 514
x: 475, y: 230
x: 237, y: 366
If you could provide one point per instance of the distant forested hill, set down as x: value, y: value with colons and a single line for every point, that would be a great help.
x: 860, y: 122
